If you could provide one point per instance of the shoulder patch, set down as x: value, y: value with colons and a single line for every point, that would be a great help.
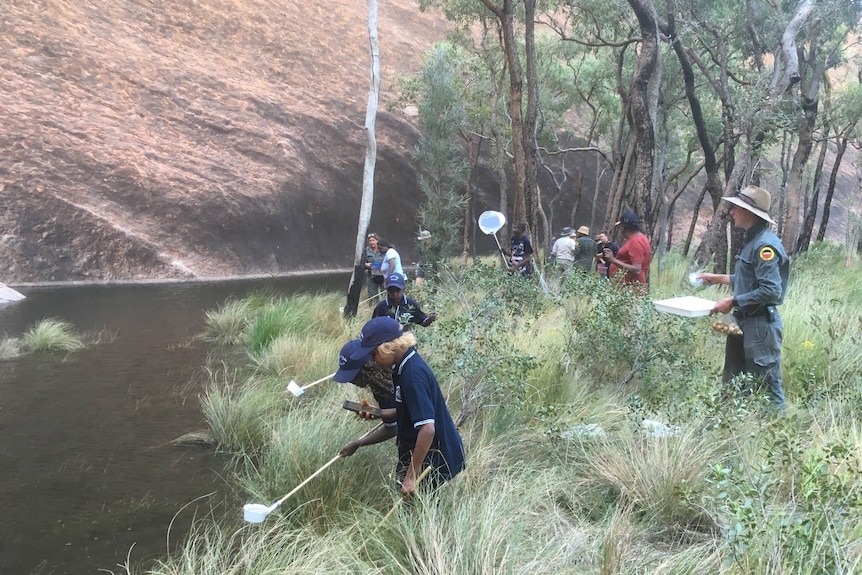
x: 767, y: 254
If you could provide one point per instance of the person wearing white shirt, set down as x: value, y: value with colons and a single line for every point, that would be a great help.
x: 391, y: 259
x: 564, y: 250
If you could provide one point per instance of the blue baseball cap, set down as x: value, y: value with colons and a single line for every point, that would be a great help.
x: 376, y: 331
x: 395, y: 280
x: 348, y: 366
x: 628, y: 218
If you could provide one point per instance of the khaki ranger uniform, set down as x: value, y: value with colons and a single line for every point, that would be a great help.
x: 759, y: 284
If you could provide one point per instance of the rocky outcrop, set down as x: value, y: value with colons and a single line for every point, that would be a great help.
x: 145, y: 140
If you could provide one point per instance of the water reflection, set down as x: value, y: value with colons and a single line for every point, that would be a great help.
x: 87, y: 468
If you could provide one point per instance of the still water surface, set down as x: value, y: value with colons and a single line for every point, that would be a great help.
x: 88, y: 474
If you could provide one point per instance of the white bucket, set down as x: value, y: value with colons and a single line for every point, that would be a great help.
x: 254, y: 512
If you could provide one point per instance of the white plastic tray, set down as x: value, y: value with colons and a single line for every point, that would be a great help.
x: 688, y: 306
x: 7, y: 294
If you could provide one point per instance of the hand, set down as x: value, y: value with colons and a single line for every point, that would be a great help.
x: 724, y: 305
x: 408, y: 486
x: 708, y: 279
x: 366, y: 414
x: 608, y: 254
x: 348, y: 449
x: 432, y: 317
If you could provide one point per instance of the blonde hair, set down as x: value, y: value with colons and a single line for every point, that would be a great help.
x: 398, y: 345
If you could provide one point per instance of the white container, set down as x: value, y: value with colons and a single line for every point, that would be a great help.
x: 7, y: 294
x: 255, y: 512
x: 694, y: 282
x: 686, y: 306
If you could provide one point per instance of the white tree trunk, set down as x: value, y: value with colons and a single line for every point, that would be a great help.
x: 358, y: 277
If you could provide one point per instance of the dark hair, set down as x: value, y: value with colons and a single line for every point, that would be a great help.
x: 384, y: 242
x: 520, y: 226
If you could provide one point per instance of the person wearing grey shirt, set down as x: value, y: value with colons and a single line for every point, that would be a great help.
x: 758, y: 284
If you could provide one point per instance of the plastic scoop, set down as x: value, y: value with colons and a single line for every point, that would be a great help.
x: 256, y: 512
x: 298, y: 390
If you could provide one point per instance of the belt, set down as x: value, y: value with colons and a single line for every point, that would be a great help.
x: 757, y: 311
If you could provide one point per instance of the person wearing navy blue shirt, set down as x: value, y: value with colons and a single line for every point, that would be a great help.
x: 521, y: 254
x: 758, y: 284
x: 398, y: 306
x: 364, y: 373
x: 426, y: 433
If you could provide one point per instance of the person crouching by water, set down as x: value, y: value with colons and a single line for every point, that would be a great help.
x: 364, y: 373
x: 400, y: 307
x: 758, y: 285
x: 426, y: 434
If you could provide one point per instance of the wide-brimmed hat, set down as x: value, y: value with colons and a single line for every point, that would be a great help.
x: 396, y: 280
x: 349, y: 366
x: 584, y: 230
x: 755, y: 200
x: 567, y: 231
x: 376, y: 331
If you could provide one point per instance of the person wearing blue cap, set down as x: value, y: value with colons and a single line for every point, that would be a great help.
x: 400, y: 307
x: 426, y: 433
x: 363, y: 372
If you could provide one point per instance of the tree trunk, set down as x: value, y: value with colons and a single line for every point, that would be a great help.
x: 531, y: 186
x: 505, y: 14
x: 811, y: 207
x: 644, y: 98
x: 714, y: 186
x: 830, y: 191
x: 357, y: 280
x: 693, y: 223
x: 794, y: 189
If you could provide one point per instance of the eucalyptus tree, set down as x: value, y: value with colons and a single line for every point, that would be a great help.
x: 439, y: 153
x: 601, y: 32
x: 513, y: 17
x: 824, y: 29
x: 845, y: 115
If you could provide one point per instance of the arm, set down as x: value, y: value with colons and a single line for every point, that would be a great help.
x: 633, y: 268
x: 378, y: 435
x: 714, y: 279
x: 769, y: 285
x: 417, y: 316
x: 423, y: 443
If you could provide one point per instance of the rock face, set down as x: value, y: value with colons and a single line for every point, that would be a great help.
x: 170, y: 139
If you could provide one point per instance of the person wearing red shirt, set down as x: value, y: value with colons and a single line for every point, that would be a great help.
x: 635, y: 254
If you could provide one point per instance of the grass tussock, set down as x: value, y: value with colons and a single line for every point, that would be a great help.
x: 228, y: 325
x: 51, y: 335
x: 599, y: 437
x: 10, y: 348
